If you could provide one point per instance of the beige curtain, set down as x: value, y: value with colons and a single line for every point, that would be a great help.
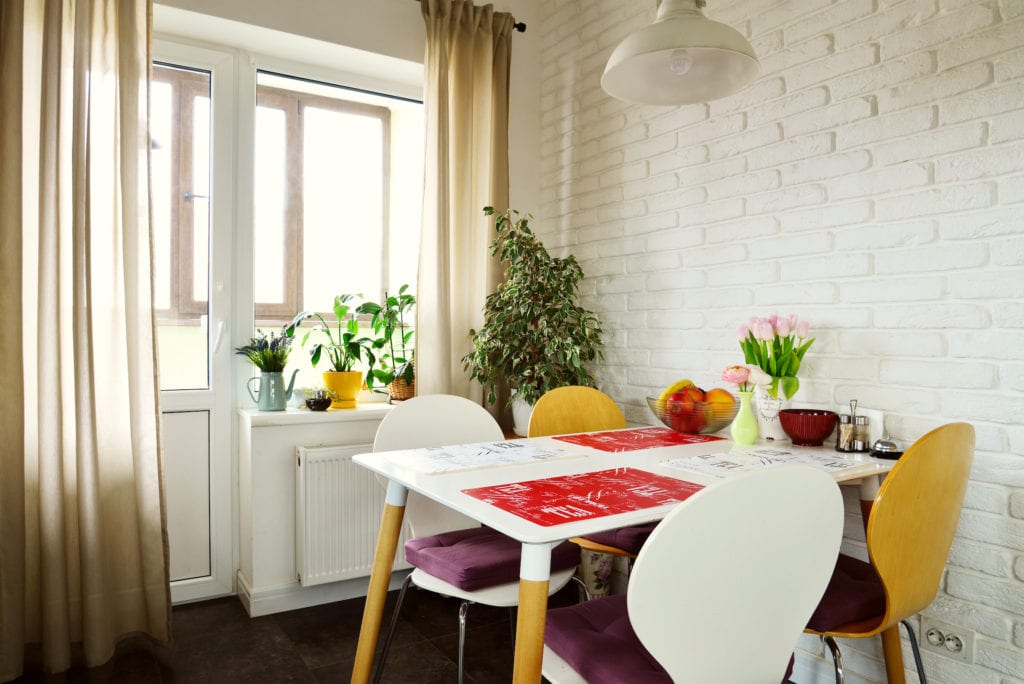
x: 83, y: 558
x: 466, y: 96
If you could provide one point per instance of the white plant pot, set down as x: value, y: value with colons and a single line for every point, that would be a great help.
x: 767, y: 412
x: 521, y: 412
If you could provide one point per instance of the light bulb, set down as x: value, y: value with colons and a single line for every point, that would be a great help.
x: 680, y: 62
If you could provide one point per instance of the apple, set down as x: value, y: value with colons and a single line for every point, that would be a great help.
x: 683, y: 410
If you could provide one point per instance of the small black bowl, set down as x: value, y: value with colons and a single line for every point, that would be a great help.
x: 321, y: 404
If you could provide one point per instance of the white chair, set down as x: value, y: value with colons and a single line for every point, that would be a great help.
x: 720, y: 592
x: 440, y: 420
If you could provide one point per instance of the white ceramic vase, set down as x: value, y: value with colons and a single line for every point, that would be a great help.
x: 767, y: 412
x: 521, y: 412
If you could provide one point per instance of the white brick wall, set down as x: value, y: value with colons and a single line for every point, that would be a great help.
x: 872, y: 181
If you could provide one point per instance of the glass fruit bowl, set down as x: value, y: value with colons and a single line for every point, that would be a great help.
x: 694, y: 417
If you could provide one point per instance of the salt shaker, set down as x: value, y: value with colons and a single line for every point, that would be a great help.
x: 861, y: 439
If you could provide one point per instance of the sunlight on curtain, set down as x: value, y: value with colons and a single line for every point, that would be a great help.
x: 466, y: 100
x: 84, y: 557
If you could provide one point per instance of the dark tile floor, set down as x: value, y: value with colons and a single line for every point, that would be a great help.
x: 216, y: 642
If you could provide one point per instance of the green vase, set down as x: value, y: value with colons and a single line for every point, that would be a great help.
x: 744, y: 425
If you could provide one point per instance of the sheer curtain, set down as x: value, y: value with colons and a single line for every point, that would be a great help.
x: 466, y: 97
x: 83, y: 559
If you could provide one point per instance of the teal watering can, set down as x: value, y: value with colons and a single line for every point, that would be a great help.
x: 272, y: 395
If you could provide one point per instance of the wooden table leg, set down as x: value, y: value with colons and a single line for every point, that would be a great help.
x: 380, y: 578
x: 891, y: 646
x: 534, y: 576
x: 868, y: 492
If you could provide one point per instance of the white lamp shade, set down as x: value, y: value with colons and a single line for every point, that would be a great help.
x: 682, y: 58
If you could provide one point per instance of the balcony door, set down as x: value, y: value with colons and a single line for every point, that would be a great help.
x: 192, y: 238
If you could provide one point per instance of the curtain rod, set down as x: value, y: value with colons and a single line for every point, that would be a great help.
x: 517, y: 25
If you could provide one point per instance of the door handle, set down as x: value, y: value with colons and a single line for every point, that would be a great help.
x: 220, y: 336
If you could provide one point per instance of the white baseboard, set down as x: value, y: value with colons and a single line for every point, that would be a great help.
x: 295, y: 596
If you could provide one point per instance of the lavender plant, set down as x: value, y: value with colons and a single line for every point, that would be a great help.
x: 269, y: 354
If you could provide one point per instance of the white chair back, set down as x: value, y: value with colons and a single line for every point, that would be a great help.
x: 434, y: 420
x: 747, y: 558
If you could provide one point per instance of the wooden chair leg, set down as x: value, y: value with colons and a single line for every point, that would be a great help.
x: 893, y: 650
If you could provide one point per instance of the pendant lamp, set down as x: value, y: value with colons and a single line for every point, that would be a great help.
x: 682, y: 58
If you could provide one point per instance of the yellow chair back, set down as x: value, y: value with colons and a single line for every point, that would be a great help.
x: 565, y: 410
x: 914, y: 518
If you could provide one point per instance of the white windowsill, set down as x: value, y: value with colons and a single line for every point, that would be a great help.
x: 295, y: 416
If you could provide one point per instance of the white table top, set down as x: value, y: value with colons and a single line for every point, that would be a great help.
x: 408, y: 467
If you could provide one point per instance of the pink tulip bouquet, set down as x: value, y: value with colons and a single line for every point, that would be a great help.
x: 776, y: 345
x: 746, y: 377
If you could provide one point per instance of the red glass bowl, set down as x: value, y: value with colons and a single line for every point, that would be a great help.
x: 808, y: 427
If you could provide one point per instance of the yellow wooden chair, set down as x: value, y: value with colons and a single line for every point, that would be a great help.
x: 909, y: 532
x: 566, y: 410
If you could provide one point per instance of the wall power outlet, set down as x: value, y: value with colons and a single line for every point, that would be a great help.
x: 949, y: 640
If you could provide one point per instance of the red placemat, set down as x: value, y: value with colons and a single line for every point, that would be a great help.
x: 632, y: 440
x: 556, y: 500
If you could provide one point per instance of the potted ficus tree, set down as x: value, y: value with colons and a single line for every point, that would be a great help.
x: 344, y: 346
x: 391, y: 321
x: 535, y: 335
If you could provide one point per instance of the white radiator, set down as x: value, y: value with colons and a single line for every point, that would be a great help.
x: 338, y: 510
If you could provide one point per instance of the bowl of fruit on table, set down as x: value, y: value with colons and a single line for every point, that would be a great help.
x: 684, y: 407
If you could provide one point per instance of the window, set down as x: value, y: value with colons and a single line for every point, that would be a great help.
x: 335, y: 180
x: 321, y: 179
x: 180, y: 167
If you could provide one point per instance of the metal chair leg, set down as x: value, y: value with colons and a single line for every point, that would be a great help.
x: 391, y: 631
x: 463, y: 609
x: 582, y: 586
x: 837, y: 657
x: 916, y: 650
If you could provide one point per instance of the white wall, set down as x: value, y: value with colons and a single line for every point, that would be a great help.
x: 872, y: 181
x: 387, y: 27
x: 394, y: 29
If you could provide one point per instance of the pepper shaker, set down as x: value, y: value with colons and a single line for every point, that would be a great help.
x: 844, y: 433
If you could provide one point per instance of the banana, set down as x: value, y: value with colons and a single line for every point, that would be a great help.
x: 673, y: 388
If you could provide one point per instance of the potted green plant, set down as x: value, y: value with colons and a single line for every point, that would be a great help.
x: 535, y: 335
x: 391, y: 321
x: 270, y: 355
x: 344, y: 345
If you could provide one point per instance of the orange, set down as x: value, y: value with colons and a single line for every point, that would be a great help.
x: 718, y: 396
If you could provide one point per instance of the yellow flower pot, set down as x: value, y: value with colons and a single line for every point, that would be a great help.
x: 345, y: 385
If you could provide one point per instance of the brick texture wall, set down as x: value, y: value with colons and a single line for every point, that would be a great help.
x: 871, y: 181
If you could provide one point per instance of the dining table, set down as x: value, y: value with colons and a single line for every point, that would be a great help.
x: 544, y: 490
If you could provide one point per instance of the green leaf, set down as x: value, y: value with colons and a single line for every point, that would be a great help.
x: 790, y: 385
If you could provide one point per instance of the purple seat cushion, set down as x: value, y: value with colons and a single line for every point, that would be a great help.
x: 595, y: 639
x: 478, y: 557
x: 629, y: 539
x: 854, y: 593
